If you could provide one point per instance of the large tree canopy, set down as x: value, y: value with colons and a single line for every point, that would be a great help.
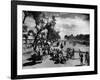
x: 39, y: 36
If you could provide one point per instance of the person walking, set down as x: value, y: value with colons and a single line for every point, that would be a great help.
x: 68, y: 53
x: 87, y: 58
x: 81, y: 57
x: 73, y: 51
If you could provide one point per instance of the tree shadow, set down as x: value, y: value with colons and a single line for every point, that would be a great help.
x: 80, y: 65
x: 31, y: 63
x: 29, y: 59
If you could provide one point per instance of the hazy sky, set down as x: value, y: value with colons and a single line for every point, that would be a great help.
x: 71, y: 23
x: 67, y: 23
x: 78, y: 24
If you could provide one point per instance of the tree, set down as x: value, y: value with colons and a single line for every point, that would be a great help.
x: 44, y: 30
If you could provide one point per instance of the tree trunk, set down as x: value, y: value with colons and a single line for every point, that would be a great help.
x: 24, y: 19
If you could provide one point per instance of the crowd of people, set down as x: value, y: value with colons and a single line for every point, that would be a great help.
x: 58, y: 55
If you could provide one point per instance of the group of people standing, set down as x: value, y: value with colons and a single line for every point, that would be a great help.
x: 59, y: 56
x: 84, y: 58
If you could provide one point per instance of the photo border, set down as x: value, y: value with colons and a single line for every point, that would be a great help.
x: 14, y: 39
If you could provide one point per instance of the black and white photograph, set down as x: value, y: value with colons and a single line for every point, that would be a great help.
x: 55, y: 39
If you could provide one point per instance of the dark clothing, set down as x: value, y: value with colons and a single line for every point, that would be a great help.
x: 81, y: 58
x: 61, y: 46
x: 87, y: 58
